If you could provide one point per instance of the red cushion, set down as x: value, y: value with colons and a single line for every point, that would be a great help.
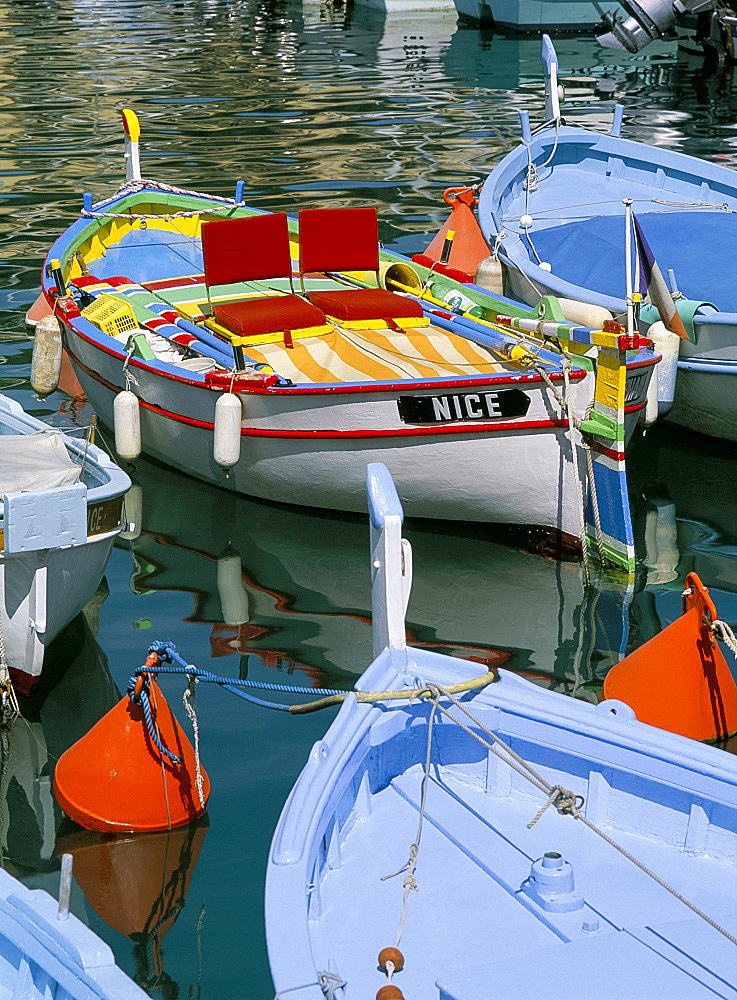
x: 365, y: 303
x: 269, y: 315
x: 338, y: 239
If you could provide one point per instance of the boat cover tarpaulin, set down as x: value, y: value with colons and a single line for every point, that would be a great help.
x: 35, y: 462
x: 591, y: 253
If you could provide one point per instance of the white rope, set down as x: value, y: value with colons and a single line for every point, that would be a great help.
x: 190, y: 707
x: 722, y: 631
x: 410, y: 883
x: 133, y: 187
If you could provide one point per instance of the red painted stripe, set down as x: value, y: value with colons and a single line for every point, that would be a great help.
x: 633, y: 407
x: 645, y: 363
x: 614, y: 454
x: 428, y: 431
x: 183, y: 282
x: 338, y: 389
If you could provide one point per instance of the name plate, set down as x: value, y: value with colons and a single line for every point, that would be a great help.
x: 463, y: 406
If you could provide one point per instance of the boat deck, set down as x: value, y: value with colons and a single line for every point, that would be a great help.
x: 342, y: 352
x: 469, y: 872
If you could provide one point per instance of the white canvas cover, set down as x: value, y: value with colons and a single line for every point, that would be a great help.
x: 35, y: 462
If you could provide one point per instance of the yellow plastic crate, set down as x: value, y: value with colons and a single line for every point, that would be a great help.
x: 110, y: 315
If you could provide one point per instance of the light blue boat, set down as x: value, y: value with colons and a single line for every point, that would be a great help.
x: 623, y: 887
x: 44, y: 955
x: 556, y: 204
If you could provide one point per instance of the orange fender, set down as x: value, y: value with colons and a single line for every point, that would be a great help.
x: 679, y: 680
x: 115, y: 779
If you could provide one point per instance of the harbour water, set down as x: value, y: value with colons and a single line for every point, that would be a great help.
x: 309, y: 102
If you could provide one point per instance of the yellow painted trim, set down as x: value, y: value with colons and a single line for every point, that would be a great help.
x: 405, y: 322
x: 267, y: 338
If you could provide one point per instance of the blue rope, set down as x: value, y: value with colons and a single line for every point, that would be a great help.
x: 152, y: 729
x: 167, y: 653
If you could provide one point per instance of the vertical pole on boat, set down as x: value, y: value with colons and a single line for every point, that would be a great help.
x: 132, y: 135
x: 391, y: 561
x: 550, y: 68
x: 628, y: 264
x: 65, y: 886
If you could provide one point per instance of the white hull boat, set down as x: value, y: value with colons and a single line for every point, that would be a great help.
x: 62, y: 506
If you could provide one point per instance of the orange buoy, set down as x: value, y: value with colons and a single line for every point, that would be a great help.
x: 389, y: 992
x: 392, y: 955
x: 467, y: 246
x: 117, y: 779
x: 679, y: 680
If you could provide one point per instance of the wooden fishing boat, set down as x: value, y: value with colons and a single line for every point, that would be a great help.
x: 187, y: 323
x: 62, y: 504
x: 548, y: 838
x: 45, y: 951
x: 556, y: 203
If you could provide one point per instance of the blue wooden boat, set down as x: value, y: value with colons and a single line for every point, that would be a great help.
x: 61, y: 510
x: 560, y: 849
x: 45, y: 955
x: 557, y: 198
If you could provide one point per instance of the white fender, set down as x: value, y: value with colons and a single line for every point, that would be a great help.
x: 490, y: 275
x: 127, y: 425
x: 227, y: 435
x: 584, y: 313
x: 667, y: 344
x: 46, y: 359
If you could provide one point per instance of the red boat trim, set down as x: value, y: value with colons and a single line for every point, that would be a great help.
x: 309, y: 390
x: 425, y: 431
x: 645, y: 363
x: 633, y: 407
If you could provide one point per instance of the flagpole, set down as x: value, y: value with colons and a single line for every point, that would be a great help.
x: 627, y: 202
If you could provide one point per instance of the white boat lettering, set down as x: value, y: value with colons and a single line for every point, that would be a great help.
x: 472, y: 411
x: 457, y: 405
x: 441, y: 407
x: 492, y: 404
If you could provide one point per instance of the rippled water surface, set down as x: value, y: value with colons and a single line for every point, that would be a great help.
x: 309, y: 103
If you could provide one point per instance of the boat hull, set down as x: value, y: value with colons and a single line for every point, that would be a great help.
x: 40, y: 593
x: 312, y: 449
x: 532, y: 15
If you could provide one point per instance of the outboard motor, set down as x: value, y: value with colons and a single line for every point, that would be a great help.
x: 650, y: 19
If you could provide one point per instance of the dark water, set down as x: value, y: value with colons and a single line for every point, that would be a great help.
x: 308, y: 103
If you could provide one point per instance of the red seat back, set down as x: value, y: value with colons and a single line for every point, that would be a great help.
x: 338, y: 239
x: 246, y: 249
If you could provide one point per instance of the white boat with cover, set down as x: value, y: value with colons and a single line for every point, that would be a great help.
x: 61, y: 512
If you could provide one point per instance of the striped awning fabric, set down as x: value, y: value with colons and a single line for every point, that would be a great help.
x: 376, y: 355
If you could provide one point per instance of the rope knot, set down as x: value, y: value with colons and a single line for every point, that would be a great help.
x: 564, y: 801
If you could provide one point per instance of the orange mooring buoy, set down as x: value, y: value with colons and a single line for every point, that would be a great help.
x: 468, y: 247
x: 679, y: 680
x: 116, y: 779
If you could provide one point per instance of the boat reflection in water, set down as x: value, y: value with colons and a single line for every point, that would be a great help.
x: 288, y: 586
x: 138, y: 884
x: 75, y: 690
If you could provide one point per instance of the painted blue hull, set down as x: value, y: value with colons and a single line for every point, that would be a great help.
x: 513, y: 898
x: 42, y: 956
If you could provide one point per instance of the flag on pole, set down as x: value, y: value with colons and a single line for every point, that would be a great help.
x: 650, y: 281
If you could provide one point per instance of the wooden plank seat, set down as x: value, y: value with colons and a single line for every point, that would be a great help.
x: 347, y: 239
x: 254, y: 248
